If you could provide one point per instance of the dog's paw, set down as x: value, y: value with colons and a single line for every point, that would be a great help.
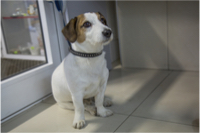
x: 79, y: 124
x: 107, y: 102
x: 104, y: 112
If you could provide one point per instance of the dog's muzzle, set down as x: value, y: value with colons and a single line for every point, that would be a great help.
x: 107, y: 33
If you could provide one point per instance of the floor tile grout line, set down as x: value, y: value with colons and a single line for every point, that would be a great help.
x: 151, y: 118
x: 143, y: 101
x: 163, y: 121
x: 121, y: 124
x: 151, y: 93
x: 135, y: 109
x: 121, y: 114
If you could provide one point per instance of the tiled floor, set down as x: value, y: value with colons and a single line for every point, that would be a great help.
x: 144, y: 101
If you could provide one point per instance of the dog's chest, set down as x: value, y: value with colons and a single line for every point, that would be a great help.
x: 93, y: 88
x: 95, y: 80
x: 95, y: 77
x: 86, y: 75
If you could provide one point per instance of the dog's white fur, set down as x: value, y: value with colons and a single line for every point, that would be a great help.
x: 78, y: 78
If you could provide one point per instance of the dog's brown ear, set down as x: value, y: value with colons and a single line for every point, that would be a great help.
x: 101, y: 16
x: 69, y: 31
x: 100, y: 13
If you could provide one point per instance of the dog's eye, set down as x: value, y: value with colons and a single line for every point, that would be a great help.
x: 103, y: 20
x: 87, y: 24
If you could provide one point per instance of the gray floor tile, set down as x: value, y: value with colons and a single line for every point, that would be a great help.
x: 51, y: 118
x: 129, y: 87
x: 49, y: 100
x: 175, y: 100
x: 135, y: 124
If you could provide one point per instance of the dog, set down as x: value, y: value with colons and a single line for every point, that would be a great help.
x: 79, y: 83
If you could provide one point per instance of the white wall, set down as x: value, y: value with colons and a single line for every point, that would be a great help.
x: 183, y: 35
x: 112, y: 23
x: 159, y: 35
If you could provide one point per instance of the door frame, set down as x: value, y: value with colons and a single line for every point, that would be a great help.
x: 24, y: 90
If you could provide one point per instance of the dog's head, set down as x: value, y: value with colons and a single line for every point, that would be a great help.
x: 90, y: 28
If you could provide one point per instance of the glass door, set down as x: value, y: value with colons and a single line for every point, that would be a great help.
x: 28, y: 54
x: 23, y: 42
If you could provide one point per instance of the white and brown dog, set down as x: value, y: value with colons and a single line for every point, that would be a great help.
x: 79, y: 80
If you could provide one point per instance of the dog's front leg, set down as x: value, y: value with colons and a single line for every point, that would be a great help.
x: 99, y: 98
x: 79, y: 118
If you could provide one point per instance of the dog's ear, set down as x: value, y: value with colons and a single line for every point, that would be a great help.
x: 69, y: 31
x: 100, y: 13
x: 103, y: 18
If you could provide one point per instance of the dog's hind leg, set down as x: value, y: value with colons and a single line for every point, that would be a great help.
x: 91, y: 109
x: 66, y: 105
x: 89, y: 101
x: 88, y: 105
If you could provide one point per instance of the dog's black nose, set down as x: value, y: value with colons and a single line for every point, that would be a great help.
x: 107, y: 33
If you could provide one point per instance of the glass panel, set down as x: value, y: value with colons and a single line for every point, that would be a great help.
x: 22, y: 45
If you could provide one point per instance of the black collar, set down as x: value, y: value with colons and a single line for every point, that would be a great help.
x: 86, y: 55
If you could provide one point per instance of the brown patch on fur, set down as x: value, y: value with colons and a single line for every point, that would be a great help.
x: 89, y: 101
x: 73, y: 31
x: 69, y: 31
x: 100, y: 16
x: 80, y: 30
